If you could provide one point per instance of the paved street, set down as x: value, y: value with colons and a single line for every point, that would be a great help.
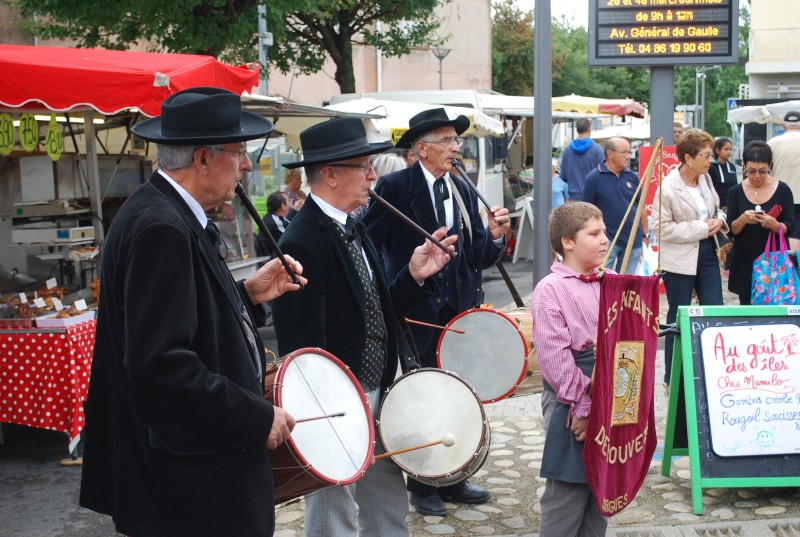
x: 38, y: 497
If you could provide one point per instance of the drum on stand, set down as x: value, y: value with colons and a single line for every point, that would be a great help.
x: 424, y: 405
x: 320, y: 453
x: 491, y: 354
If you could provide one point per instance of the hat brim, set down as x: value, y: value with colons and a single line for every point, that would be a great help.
x: 461, y: 124
x: 370, y: 149
x: 253, y: 127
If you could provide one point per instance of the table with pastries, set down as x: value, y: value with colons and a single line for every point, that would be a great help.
x: 44, y: 377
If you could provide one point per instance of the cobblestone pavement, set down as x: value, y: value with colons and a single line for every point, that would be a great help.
x: 662, y: 507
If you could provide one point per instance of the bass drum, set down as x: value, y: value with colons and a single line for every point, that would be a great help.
x: 421, y: 407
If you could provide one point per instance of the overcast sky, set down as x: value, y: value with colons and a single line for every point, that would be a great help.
x: 577, y: 10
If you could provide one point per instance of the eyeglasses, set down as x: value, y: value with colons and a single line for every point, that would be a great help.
x: 365, y: 168
x: 625, y: 152
x: 242, y: 152
x: 707, y: 155
x: 753, y: 171
x: 459, y: 141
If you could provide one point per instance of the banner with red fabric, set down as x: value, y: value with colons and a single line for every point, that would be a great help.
x: 621, y: 434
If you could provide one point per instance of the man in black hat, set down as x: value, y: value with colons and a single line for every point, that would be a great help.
x: 350, y: 308
x: 177, y: 428
x: 428, y: 194
x: 786, y: 166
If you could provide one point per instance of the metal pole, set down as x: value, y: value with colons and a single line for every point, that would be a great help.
x: 542, y: 139
x: 695, y: 119
x: 440, y: 72
x: 703, y: 99
x: 662, y: 103
x: 262, y: 46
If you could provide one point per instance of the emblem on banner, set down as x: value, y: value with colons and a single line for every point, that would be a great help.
x: 628, y: 368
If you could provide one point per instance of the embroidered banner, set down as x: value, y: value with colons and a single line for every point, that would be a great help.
x: 621, y: 434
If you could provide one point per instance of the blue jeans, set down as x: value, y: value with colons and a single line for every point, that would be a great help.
x: 707, y: 282
x: 618, y: 254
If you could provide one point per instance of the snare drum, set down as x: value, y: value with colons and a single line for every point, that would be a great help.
x: 449, y: 406
x: 491, y: 354
x: 320, y: 453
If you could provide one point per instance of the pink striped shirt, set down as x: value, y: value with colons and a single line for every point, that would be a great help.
x: 565, y: 312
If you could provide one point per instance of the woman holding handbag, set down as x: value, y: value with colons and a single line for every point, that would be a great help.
x: 758, y: 205
x: 685, y: 213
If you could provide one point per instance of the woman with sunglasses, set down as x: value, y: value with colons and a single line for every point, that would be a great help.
x: 687, y: 216
x: 760, y: 204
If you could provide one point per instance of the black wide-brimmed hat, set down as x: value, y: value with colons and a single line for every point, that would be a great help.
x: 335, y: 140
x: 428, y: 121
x: 202, y: 116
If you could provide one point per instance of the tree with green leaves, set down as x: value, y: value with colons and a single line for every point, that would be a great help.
x: 305, y: 32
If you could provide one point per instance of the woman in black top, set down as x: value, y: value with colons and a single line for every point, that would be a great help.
x: 723, y: 171
x: 748, y: 206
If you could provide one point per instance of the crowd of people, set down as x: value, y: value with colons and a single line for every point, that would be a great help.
x: 179, y: 435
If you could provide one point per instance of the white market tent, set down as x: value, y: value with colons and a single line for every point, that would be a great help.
x: 767, y: 113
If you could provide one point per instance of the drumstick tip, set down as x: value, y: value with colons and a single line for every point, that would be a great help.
x: 448, y: 439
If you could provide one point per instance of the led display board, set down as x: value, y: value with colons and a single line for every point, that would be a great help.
x: 663, y: 32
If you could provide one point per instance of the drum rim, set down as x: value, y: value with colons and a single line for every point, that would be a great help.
x: 295, y: 451
x: 486, y: 430
x: 521, y: 377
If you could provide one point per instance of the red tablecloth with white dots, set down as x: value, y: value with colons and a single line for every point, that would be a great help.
x: 44, y: 378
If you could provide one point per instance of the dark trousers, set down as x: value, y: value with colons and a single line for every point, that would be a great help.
x: 428, y: 359
x: 707, y: 282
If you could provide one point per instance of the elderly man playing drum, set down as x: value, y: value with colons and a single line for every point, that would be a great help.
x: 177, y: 427
x: 429, y: 194
x: 350, y: 309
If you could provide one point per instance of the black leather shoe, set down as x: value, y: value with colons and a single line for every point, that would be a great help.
x: 428, y: 504
x: 466, y: 492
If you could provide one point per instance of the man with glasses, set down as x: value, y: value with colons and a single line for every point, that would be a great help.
x: 786, y: 165
x: 428, y: 194
x: 177, y: 428
x: 611, y: 186
x: 350, y: 308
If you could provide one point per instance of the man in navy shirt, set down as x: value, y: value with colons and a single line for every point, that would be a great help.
x: 611, y: 186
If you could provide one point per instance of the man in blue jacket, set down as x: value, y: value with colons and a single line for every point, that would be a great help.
x: 579, y: 158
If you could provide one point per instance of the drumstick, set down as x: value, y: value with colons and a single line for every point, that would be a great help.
x: 410, y: 223
x: 447, y: 440
x: 456, y: 330
x: 335, y: 415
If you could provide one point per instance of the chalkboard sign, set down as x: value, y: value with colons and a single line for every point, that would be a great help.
x: 740, y: 371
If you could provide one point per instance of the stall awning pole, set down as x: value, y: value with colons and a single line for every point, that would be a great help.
x: 93, y: 171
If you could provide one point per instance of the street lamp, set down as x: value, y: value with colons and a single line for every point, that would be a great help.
x: 441, y: 53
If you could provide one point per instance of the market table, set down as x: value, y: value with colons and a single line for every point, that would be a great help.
x: 44, y: 377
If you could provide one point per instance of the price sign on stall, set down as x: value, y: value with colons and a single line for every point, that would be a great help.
x: 54, y: 140
x: 663, y: 32
x: 28, y: 132
x: 6, y: 134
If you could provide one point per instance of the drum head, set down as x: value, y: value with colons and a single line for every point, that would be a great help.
x: 491, y: 354
x: 310, y: 383
x: 423, y: 406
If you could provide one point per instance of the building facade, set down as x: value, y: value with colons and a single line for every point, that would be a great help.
x: 774, y: 64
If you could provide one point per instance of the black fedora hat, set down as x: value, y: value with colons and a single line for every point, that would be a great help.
x: 430, y: 120
x: 335, y: 140
x: 202, y: 116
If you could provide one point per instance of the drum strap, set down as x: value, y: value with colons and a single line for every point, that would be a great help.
x: 409, y: 355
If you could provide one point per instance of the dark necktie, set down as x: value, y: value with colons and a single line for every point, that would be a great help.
x: 440, y: 193
x: 373, y: 360
x: 216, y: 238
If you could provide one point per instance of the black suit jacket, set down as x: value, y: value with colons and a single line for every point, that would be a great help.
x: 407, y: 190
x: 330, y: 311
x: 176, y: 422
x: 272, y: 227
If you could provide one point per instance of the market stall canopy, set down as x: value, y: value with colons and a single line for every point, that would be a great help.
x: 767, y: 113
x: 631, y: 131
x: 109, y: 81
x: 522, y: 106
x: 292, y: 118
x: 397, y: 113
x: 595, y: 105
